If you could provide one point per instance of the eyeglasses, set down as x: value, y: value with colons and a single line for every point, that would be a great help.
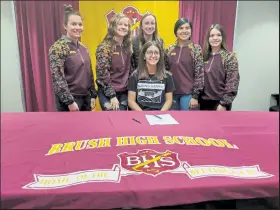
x: 150, y: 53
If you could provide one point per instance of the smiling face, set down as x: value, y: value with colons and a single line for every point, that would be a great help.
x: 184, y: 32
x: 152, y: 55
x: 148, y: 25
x: 74, y: 26
x: 122, y: 27
x: 215, y: 38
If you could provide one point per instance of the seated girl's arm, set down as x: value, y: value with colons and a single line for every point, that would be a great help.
x: 132, y: 101
x: 168, y: 101
x: 132, y: 88
x: 170, y: 87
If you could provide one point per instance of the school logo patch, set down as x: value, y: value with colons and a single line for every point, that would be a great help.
x: 131, y: 12
x: 149, y: 162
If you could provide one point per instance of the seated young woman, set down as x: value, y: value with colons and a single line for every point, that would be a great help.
x: 150, y: 86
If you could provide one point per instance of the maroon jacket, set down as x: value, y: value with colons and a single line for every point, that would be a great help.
x: 113, y: 67
x: 221, y: 77
x: 71, y: 70
x: 186, y: 65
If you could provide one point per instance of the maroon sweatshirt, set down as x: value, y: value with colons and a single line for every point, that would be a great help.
x: 71, y: 70
x: 113, y: 67
x: 186, y: 65
x: 221, y: 77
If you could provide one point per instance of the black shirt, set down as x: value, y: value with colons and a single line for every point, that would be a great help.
x: 150, y: 93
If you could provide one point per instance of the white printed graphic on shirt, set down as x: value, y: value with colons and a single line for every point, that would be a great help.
x: 149, y: 92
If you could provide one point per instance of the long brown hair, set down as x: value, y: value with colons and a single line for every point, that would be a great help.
x: 111, y: 32
x: 207, y: 46
x: 142, y: 66
x: 155, y: 36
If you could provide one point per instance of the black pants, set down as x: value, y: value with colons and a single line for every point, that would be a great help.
x: 121, y: 96
x: 211, y: 105
x: 83, y: 103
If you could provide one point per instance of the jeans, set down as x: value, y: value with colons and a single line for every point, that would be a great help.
x: 181, y: 102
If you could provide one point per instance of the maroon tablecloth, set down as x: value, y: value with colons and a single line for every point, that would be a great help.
x: 207, y: 156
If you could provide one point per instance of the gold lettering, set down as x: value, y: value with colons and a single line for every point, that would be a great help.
x: 81, y: 177
x: 100, y: 175
x: 222, y: 170
x: 202, y: 141
x: 56, y: 148
x: 68, y: 147
x: 232, y: 172
x: 92, y: 144
x: 141, y: 140
x: 132, y: 141
x: 228, y: 145
x: 241, y: 173
x: 211, y: 170
x: 128, y: 140
x: 122, y: 141
x: 202, y: 171
x: 63, y: 180
x: 104, y: 142
x: 216, y: 142
x: 194, y: 172
x: 81, y: 144
x: 177, y: 139
x: 44, y: 181
x: 190, y: 140
x: 153, y: 140
x: 168, y: 140
x: 47, y: 181
x: 250, y: 171
x: 218, y: 170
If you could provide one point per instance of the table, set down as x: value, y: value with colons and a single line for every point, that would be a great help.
x: 107, y: 160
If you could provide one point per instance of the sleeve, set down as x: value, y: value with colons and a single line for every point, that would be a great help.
x: 131, y: 65
x: 170, y: 87
x: 60, y: 86
x: 103, y: 65
x: 198, y: 72
x: 167, y: 63
x: 92, y: 90
x: 232, y: 80
x: 135, y: 53
x: 132, y: 83
x: 165, y: 57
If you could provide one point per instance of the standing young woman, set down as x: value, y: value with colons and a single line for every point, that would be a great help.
x: 221, y: 72
x: 150, y: 86
x: 70, y: 66
x: 113, y: 64
x: 186, y: 64
x: 148, y: 31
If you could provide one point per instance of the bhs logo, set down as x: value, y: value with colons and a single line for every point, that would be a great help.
x: 149, y: 162
x: 130, y: 12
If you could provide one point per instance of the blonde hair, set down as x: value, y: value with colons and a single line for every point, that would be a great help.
x: 111, y: 32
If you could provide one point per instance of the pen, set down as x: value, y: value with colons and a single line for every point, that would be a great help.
x: 157, y: 116
x: 136, y: 120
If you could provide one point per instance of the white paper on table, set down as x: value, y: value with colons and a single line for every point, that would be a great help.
x: 167, y: 119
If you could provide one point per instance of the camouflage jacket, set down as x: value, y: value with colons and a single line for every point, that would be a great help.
x: 59, y: 52
x: 230, y: 65
x: 105, y: 69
